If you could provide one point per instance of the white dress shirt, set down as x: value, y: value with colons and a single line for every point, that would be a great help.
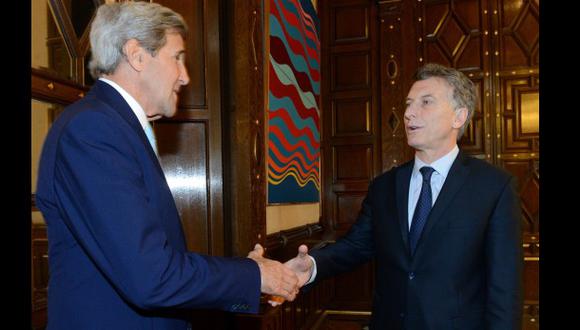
x: 441, y: 167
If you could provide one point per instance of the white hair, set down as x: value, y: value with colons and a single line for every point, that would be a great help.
x: 117, y: 23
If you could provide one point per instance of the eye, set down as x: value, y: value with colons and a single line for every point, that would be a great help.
x: 180, y: 57
x: 427, y: 101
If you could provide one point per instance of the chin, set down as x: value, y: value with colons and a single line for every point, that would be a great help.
x: 411, y: 142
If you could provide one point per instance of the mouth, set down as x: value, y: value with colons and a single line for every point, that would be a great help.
x: 413, y: 128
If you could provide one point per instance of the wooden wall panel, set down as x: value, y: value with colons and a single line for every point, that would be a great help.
x: 350, y: 129
x: 351, y: 117
x: 183, y: 147
x: 518, y: 30
x: 456, y: 34
x: 190, y: 143
x: 350, y: 71
x: 245, y: 115
x: 516, y: 93
x: 347, y: 209
x: 353, y: 163
x: 397, y: 23
x: 345, y: 33
x: 350, y: 143
x: 353, y: 291
x: 518, y: 138
x: 39, y: 301
x: 475, y: 136
x: 193, y: 95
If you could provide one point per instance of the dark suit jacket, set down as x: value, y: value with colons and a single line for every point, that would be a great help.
x: 117, y: 253
x: 466, y: 271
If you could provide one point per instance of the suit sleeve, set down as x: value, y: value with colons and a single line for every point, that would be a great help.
x: 504, y: 262
x: 102, y: 191
x: 351, y: 250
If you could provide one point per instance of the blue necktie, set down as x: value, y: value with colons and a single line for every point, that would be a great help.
x: 422, y: 209
x: 151, y: 137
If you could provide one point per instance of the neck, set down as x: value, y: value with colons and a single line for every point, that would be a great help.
x: 430, y: 156
x: 129, y: 83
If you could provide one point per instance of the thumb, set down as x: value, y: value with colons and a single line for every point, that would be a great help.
x: 259, y: 249
x: 302, y: 251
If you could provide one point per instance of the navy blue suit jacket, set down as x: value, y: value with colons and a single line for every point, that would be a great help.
x: 117, y: 253
x: 466, y: 270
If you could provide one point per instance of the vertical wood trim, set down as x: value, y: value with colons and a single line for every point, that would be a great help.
x: 213, y: 96
x: 247, y: 197
x: 257, y: 119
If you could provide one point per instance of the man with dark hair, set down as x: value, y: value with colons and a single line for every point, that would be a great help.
x: 444, y: 228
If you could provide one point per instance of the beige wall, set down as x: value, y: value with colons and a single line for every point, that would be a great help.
x: 281, y: 217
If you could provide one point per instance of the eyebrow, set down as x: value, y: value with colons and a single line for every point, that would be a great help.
x: 422, y: 97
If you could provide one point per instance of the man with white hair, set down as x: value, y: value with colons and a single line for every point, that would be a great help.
x: 117, y: 252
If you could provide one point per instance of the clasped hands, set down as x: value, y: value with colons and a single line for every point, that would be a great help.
x: 282, y: 280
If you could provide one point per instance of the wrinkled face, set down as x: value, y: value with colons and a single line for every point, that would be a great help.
x: 431, y: 123
x: 164, y: 75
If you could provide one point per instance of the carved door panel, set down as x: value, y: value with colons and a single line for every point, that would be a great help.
x: 516, y: 87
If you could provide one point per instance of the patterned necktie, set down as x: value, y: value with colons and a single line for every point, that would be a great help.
x: 422, y: 209
x: 151, y: 137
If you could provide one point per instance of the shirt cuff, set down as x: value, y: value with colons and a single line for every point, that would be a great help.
x: 313, y: 275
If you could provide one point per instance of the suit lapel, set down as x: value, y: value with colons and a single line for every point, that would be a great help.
x: 402, y: 181
x: 109, y: 95
x: 455, y: 179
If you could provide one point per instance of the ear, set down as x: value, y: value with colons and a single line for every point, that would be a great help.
x: 135, y: 54
x: 460, y: 117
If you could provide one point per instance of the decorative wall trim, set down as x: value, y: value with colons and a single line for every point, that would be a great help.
x: 283, y: 238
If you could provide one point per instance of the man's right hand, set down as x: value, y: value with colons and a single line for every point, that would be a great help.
x: 277, y: 280
x: 302, y: 265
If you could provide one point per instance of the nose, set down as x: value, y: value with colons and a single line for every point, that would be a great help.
x: 183, y: 75
x: 409, y: 111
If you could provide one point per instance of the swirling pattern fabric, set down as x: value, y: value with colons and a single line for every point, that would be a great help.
x: 293, y: 103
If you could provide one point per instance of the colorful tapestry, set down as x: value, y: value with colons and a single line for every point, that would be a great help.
x: 293, y: 103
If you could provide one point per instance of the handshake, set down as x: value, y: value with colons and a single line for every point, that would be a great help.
x: 282, y: 281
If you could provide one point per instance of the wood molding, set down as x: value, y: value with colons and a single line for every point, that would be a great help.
x: 292, y: 236
x: 48, y: 87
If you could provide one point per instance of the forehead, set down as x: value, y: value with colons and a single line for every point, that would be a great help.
x: 434, y: 86
x: 173, y: 41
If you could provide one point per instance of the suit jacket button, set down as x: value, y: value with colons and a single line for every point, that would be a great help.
x: 402, y: 315
x: 411, y: 275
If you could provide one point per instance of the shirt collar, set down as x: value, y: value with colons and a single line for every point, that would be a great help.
x: 441, y: 165
x: 133, y: 104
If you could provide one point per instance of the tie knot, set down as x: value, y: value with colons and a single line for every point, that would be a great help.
x: 426, y: 172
